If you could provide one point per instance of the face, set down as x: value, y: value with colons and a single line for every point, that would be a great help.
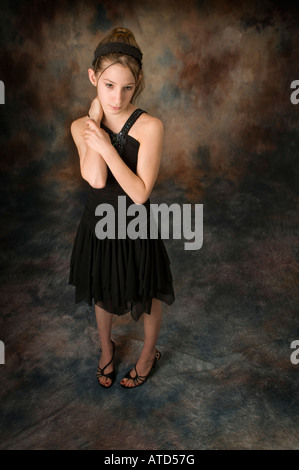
x: 116, y: 86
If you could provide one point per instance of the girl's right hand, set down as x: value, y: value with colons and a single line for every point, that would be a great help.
x: 96, y: 110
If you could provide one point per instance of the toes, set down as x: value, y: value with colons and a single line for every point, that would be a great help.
x: 129, y: 383
x: 126, y: 383
x: 104, y: 381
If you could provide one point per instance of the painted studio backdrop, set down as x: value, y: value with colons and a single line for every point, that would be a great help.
x: 219, y: 75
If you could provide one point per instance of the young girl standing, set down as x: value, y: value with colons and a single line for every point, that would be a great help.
x: 120, y: 148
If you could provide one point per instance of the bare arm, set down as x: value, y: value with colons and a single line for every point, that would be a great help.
x: 138, y: 186
x: 92, y: 166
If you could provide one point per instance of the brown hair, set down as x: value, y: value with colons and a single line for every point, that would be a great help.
x: 126, y: 36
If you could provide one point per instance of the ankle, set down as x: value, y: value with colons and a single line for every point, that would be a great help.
x: 106, y: 345
x: 148, y: 352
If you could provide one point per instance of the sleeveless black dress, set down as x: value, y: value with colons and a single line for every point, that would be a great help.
x: 120, y: 275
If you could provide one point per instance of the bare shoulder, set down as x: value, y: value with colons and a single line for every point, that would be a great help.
x: 147, y: 126
x: 77, y: 127
x: 151, y: 122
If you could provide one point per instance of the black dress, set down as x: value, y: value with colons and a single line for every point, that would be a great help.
x: 121, y: 274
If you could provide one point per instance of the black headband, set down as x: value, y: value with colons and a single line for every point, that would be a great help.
x: 120, y: 47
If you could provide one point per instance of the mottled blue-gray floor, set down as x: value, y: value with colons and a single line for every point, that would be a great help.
x: 225, y: 380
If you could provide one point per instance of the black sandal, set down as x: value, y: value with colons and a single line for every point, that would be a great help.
x: 139, y: 380
x: 111, y: 375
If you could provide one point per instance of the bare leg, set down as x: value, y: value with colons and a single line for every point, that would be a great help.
x: 152, y: 324
x: 104, y: 322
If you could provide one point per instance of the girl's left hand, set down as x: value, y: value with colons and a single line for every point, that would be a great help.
x: 95, y: 137
x: 96, y: 110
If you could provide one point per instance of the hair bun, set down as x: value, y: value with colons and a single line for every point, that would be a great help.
x: 123, y: 32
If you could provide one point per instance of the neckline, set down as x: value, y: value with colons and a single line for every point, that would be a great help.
x: 137, y: 110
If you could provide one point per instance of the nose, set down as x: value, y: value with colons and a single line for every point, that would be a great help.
x: 118, y: 97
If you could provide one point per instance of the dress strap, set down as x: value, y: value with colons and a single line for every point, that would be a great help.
x: 118, y: 140
x: 132, y: 119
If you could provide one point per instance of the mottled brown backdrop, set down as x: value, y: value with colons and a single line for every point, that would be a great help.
x: 218, y: 74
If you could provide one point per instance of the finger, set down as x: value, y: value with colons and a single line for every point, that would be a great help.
x: 91, y: 124
x: 89, y: 132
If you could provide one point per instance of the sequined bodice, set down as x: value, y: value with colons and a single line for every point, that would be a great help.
x: 118, y: 140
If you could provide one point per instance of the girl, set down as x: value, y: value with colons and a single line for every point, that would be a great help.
x: 120, y: 148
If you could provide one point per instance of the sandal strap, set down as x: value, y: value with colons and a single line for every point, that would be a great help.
x: 100, y: 374
x: 138, y: 377
x: 101, y: 370
x: 143, y: 378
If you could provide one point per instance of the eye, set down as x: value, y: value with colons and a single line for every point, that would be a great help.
x: 129, y: 88
x: 109, y: 85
